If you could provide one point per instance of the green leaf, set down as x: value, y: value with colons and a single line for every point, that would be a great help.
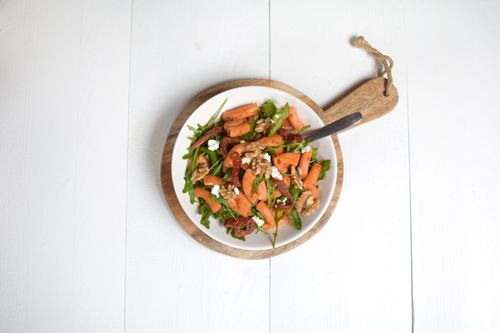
x: 278, y: 119
x: 314, y: 158
x: 297, y: 221
x: 256, y: 183
x: 325, y: 166
x: 205, y: 212
x: 295, y: 192
x: 270, y: 190
x: 268, y: 109
x: 249, y: 136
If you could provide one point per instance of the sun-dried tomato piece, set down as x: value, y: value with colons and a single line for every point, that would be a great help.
x: 226, y: 141
x: 210, y: 133
x: 242, y: 226
x: 235, y: 172
x: 290, y: 137
x: 283, y: 188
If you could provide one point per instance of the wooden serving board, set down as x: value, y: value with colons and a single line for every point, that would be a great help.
x: 363, y: 99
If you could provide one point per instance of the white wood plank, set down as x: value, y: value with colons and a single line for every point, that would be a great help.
x: 354, y: 276
x: 175, y: 284
x: 455, y: 164
x: 63, y: 128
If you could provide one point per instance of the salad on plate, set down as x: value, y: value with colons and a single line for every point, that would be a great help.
x: 252, y: 170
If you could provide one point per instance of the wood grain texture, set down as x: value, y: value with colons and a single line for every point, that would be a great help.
x: 173, y: 283
x: 455, y: 165
x: 368, y: 99
x: 356, y: 274
x: 185, y: 221
x: 63, y: 152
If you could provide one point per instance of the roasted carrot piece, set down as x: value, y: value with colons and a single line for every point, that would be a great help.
x: 286, y: 124
x: 271, y: 141
x: 238, y: 130
x: 305, y: 158
x: 312, y: 178
x: 268, y: 226
x: 283, y: 161
x: 247, y: 184
x: 212, y: 180
x: 240, y: 205
x: 241, y: 112
x: 204, y: 194
x: 239, y: 148
x: 260, y: 194
x: 294, y: 119
x: 232, y: 123
x: 266, y: 212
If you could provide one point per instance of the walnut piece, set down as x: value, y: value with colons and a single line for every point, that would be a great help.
x: 227, y: 192
x: 312, y: 207
x: 296, y: 176
x: 306, y: 204
x: 254, y: 149
x: 263, y: 125
x: 201, y: 170
x: 261, y: 166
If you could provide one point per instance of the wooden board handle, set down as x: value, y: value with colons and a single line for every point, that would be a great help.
x: 368, y: 99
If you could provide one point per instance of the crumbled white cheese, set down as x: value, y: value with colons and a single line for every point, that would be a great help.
x: 281, y: 200
x: 213, y: 145
x: 236, y: 191
x: 246, y: 160
x: 267, y: 157
x: 215, y: 190
x: 275, y: 173
x: 305, y: 149
x: 272, y: 120
x: 258, y: 221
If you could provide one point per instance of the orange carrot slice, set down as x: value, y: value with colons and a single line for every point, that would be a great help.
x: 283, y: 161
x: 312, y: 178
x: 270, y: 141
x: 294, y: 119
x: 232, y: 123
x: 239, y: 148
x: 241, y: 112
x: 266, y: 212
x: 240, y: 205
x: 286, y: 124
x: 238, y: 130
x: 212, y: 180
x: 247, y: 184
x: 305, y: 158
x: 204, y: 194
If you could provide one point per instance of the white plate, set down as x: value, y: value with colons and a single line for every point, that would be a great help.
x: 236, y: 97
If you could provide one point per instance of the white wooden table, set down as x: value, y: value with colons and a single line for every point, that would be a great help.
x: 89, y: 89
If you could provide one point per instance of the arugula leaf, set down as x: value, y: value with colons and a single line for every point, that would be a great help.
x: 213, y: 156
x: 225, y: 206
x: 205, y: 212
x: 249, y: 136
x: 314, y: 158
x: 270, y: 190
x: 202, y: 129
x: 268, y: 109
x: 297, y: 221
x: 278, y: 117
x: 325, y: 166
x: 304, y: 128
x: 295, y: 192
x: 256, y: 183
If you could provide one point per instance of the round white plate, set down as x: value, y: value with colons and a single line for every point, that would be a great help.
x: 236, y: 97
